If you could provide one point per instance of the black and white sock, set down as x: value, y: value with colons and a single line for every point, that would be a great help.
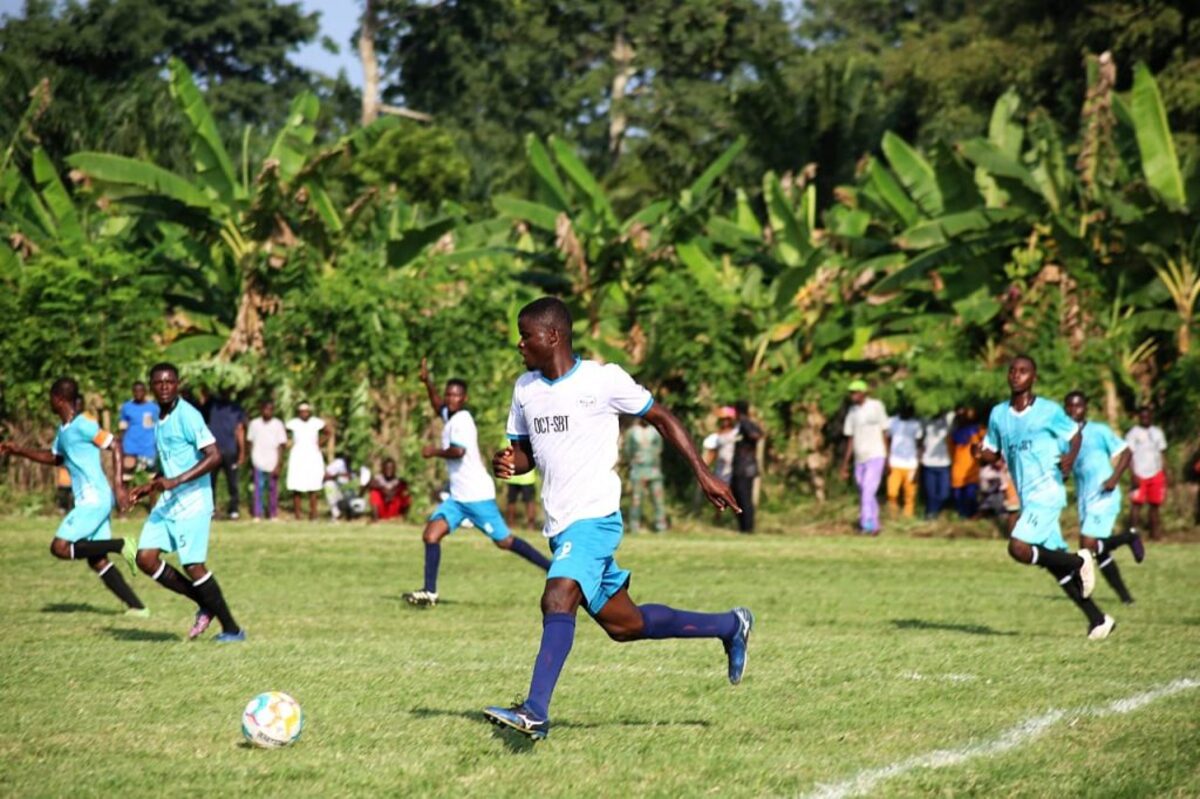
x: 114, y: 581
x: 1056, y: 561
x: 211, y: 598
x: 1070, y: 586
x: 170, y: 578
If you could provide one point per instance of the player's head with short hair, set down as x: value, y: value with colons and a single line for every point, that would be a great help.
x: 1075, y: 404
x: 457, y: 381
x: 1022, y: 372
x: 163, y: 366
x: 455, y: 395
x: 1075, y: 396
x: 65, y: 390
x: 545, y: 329
x: 164, y: 382
x: 1027, y: 359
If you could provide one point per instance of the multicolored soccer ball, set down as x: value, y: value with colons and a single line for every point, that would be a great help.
x: 272, y: 720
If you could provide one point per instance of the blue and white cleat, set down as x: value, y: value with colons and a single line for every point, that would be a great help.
x: 735, y: 648
x: 231, y: 638
x: 519, y: 718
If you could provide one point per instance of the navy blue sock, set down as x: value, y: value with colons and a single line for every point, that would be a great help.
x: 523, y: 548
x: 661, y: 621
x: 433, y: 559
x: 558, y: 633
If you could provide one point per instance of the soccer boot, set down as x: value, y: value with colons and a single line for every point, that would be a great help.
x: 735, y: 648
x: 1138, y: 548
x: 519, y: 718
x: 129, y: 551
x: 203, y: 619
x: 422, y: 598
x: 1103, y: 629
x: 1087, y: 573
x: 231, y: 638
x: 138, y: 613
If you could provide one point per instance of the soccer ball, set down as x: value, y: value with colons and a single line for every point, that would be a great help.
x: 272, y: 720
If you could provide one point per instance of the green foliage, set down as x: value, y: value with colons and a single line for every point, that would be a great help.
x: 423, y: 164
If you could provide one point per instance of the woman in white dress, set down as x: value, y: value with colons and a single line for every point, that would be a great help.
x: 306, y: 466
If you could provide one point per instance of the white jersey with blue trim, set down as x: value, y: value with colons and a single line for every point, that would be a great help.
x: 572, y: 425
x: 469, y: 480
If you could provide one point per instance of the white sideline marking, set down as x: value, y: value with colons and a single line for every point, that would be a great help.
x: 1024, y: 732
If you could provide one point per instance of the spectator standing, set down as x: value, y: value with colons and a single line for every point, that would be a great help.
x: 227, y: 421
x: 964, y: 468
x: 306, y: 465
x: 935, y: 463
x: 137, y: 419
x: 904, y: 437
x: 745, y: 464
x: 865, y: 426
x: 1147, y: 443
x: 268, y: 439
x: 719, y: 446
x: 643, y: 453
x: 389, y: 495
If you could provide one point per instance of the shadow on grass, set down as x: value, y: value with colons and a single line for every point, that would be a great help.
x: 969, y: 629
x: 134, y: 634
x: 77, y: 607
x: 519, y: 743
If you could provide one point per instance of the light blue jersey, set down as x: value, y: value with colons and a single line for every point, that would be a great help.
x: 79, y: 443
x: 1098, y: 509
x: 1031, y: 442
x: 179, y: 437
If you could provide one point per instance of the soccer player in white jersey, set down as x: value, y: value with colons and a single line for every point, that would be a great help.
x: 1039, y: 443
x: 564, y: 420
x: 472, y: 490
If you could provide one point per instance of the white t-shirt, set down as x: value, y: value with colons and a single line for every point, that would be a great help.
x: 905, y: 434
x: 469, y: 480
x: 1147, y: 445
x: 265, y: 437
x: 936, y: 434
x: 572, y: 426
x: 723, y: 443
x: 864, y: 425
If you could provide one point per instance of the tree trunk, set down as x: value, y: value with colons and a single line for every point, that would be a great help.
x: 1112, y: 403
x: 618, y: 121
x: 370, y: 63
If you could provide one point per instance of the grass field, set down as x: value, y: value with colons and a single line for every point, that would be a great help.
x: 891, y: 667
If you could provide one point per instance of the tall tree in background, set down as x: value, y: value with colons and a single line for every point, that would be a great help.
x: 105, y: 60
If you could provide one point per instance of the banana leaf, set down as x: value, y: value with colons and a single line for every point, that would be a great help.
x: 914, y: 172
x: 1160, y: 164
x: 214, y: 170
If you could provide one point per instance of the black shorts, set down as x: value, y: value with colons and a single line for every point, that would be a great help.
x: 522, y: 492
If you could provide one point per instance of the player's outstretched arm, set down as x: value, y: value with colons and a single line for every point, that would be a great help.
x: 43, y: 456
x: 671, y: 429
x: 1123, y: 461
x: 435, y: 399
x: 517, y: 458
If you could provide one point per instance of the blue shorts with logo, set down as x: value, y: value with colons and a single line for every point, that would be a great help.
x: 187, y: 536
x: 86, y: 523
x: 484, y: 514
x: 1098, y: 514
x: 585, y: 552
x: 1038, y: 525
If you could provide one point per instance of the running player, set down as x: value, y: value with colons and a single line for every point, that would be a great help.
x: 180, y: 520
x: 1030, y: 433
x: 564, y: 419
x: 472, y: 491
x: 1098, y: 493
x: 85, y: 534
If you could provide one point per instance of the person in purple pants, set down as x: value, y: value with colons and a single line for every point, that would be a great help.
x: 866, y: 430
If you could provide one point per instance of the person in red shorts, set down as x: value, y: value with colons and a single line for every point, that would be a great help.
x: 389, y: 495
x: 1147, y: 443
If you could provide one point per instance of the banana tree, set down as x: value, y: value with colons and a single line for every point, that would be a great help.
x: 223, y: 232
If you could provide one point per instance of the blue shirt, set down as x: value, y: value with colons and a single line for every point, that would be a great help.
x: 223, y: 417
x: 179, y: 437
x: 1031, y: 442
x: 1094, y: 465
x: 78, y: 443
x: 139, y: 419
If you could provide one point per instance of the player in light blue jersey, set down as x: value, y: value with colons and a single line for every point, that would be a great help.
x: 85, y: 534
x: 180, y: 520
x: 1031, y: 433
x: 1103, y: 458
